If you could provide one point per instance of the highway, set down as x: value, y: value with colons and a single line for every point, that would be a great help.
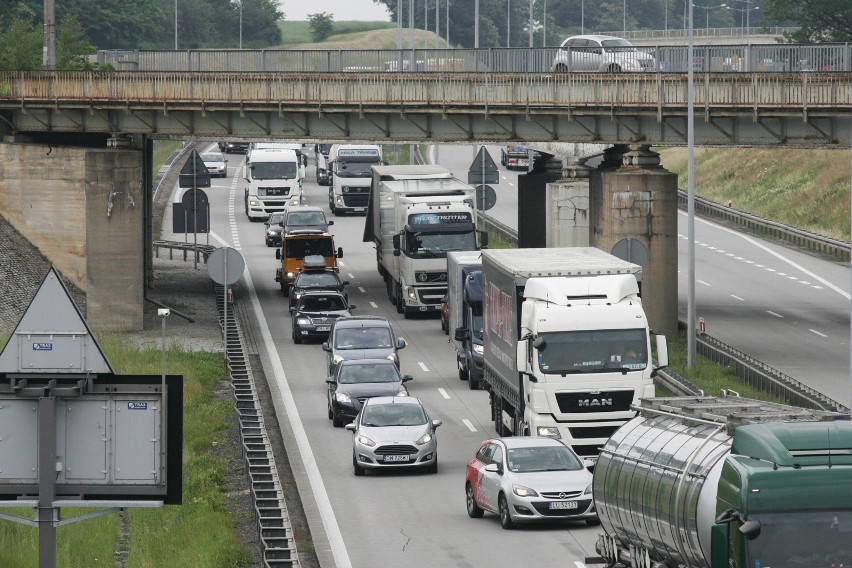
x: 786, y: 308
x: 386, y: 519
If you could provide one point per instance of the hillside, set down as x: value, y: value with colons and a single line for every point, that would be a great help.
x: 355, y: 35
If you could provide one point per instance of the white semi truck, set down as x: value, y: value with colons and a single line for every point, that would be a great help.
x: 567, y: 344
x: 416, y: 215
x: 272, y: 180
x: 350, y: 176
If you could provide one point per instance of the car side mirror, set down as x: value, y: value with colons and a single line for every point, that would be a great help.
x: 330, y: 380
x: 406, y: 378
x: 339, y: 252
x: 350, y: 427
x: 330, y: 223
x: 293, y: 309
x: 400, y: 344
x: 278, y: 254
x: 325, y: 346
x: 492, y: 468
x: 345, y: 283
x: 436, y: 423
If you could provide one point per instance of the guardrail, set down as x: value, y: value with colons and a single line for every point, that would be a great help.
x: 840, y: 250
x: 680, y: 33
x: 200, y: 251
x: 745, y: 57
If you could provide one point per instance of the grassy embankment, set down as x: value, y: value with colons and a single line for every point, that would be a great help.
x: 354, y: 35
x: 200, y: 533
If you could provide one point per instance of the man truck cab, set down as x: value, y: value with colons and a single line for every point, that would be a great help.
x: 351, y: 177
x: 273, y: 180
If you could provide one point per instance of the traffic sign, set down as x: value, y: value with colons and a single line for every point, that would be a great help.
x: 225, y: 265
x: 486, y: 197
x: 194, y: 200
x: 194, y: 173
x: 483, y: 166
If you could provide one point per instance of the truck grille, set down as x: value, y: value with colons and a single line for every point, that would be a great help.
x: 599, y: 401
x: 431, y: 296
x: 355, y: 200
x: 426, y: 277
x: 599, y: 432
x: 395, y: 450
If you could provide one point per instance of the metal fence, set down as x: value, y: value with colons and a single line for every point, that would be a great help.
x: 680, y: 33
x: 666, y: 58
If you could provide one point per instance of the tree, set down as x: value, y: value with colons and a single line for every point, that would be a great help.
x: 819, y: 20
x: 321, y: 24
x: 20, y: 46
x: 72, y: 50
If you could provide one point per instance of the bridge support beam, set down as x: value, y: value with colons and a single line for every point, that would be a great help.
x: 633, y: 210
x: 83, y: 208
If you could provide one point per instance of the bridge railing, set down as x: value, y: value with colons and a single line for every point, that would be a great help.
x: 665, y: 58
x: 680, y: 33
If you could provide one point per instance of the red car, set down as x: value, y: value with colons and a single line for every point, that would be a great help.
x: 445, y: 315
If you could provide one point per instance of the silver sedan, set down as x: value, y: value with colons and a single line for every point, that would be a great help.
x: 394, y: 432
x: 525, y: 479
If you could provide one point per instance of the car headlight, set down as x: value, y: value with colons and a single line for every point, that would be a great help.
x: 303, y: 321
x: 252, y: 202
x: 549, y: 431
x: 291, y: 274
x: 522, y: 491
x: 425, y: 439
x: 365, y: 440
x: 391, y: 357
x: 298, y: 295
x: 336, y: 360
x: 403, y: 392
x: 478, y: 349
x: 588, y: 490
x: 270, y: 232
x: 342, y: 397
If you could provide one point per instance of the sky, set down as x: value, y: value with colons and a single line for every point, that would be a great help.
x: 364, y: 10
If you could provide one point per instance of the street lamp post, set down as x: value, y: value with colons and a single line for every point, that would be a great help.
x: 583, y: 16
x: 744, y: 17
x: 241, y: 24
x: 624, y: 17
x: 508, y: 21
x: 476, y: 24
x: 175, y: 25
x: 707, y: 14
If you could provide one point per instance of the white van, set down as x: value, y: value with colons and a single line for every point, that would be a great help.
x: 273, y: 180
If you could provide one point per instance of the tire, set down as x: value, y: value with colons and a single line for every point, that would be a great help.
x: 400, y: 305
x: 463, y: 375
x: 474, y: 511
x: 296, y: 339
x: 357, y: 469
x: 330, y: 413
x: 561, y: 68
x: 433, y: 467
x: 285, y: 289
x: 390, y: 289
x: 593, y: 522
x: 336, y: 421
x: 472, y: 384
x: 614, y: 68
x: 505, y: 515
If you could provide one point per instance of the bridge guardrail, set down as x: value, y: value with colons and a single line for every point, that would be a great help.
x: 746, y: 57
x: 680, y: 33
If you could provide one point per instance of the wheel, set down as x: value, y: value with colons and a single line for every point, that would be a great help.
x: 433, y: 467
x: 285, y: 289
x: 359, y: 471
x: 474, y: 511
x: 336, y: 421
x: 614, y: 68
x: 561, y: 68
x: 400, y: 306
x: 505, y: 515
x: 472, y: 383
x: 390, y: 287
x: 330, y: 413
x: 296, y: 339
x: 463, y: 375
x: 593, y: 522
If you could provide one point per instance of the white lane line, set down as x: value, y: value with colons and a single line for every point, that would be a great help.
x: 423, y: 366
x: 326, y: 511
x: 444, y: 394
x: 702, y: 282
x: 771, y: 313
x: 373, y: 304
x: 340, y: 263
x: 818, y: 333
x: 352, y: 276
x: 737, y: 298
x: 361, y: 288
x: 469, y: 425
x: 578, y: 564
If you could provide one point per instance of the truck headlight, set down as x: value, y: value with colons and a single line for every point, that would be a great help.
x: 252, y: 202
x: 336, y: 360
x: 303, y: 321
x: 340, y: 200
x: 402, y: 393
x: 391, y: 357
x: 478, y: 349
x: 549, y: 431
x: 522, y: 491
x: 291, y: 274
x: 342, y: 397
x: 412, y: 294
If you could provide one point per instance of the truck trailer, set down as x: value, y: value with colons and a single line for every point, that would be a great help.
x: 465, y: 321
x: 567, y: 344
x: 416, y: 215
x: 716, y: 482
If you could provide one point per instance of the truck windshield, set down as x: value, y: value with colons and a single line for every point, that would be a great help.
x: 434, y: 244
x: 300, y: 248
x: 597, y: 351
x: 274, y: 170
x: 802, y: 538
x: 355, y: 169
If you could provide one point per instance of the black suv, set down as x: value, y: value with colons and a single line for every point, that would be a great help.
x: 314, y: 313
x: 316, y: 280
x: 361, y: 337
x: 356, y: 380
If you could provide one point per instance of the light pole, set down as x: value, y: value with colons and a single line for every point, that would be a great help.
x: 544, y: 30
x: 241, y: 24
x: 476, y: 24
x: 623, y: 17
x: 508, y: 20
x: 175, y: 25
x: 707, y: 14
x: 531, y: 23
x: 582, y: 16
x: 744, y: 20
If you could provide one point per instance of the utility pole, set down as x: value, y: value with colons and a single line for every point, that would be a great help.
x: 49, y: 56
x: 176, y: 25
x: 476, y: 24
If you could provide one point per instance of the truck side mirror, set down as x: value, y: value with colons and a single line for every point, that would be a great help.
x: 325, y: 346
x: 539, y: 344
x: 278, y: 254
x: 461, y: 334
x: 662, y: 351
x: 396, y: 243
x: 483, y: 239
x: 750, y: 529
x: 339, y: 252
x: 522, y: 356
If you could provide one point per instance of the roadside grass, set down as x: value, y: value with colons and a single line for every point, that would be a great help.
x: 808, y: 189
x: 200, y: 532
x: 299, y: 32
x: 370, y: 39
x: 162, y: 150
x: 400, y: 158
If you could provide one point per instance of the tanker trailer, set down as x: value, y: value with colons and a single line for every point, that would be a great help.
x: 722, y: 482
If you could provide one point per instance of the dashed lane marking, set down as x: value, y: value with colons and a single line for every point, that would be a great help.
x: 423, y: 366
x: 444, y: 393
x: 469, y: 424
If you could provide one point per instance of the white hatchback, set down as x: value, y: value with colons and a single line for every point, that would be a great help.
x: 600, y: 53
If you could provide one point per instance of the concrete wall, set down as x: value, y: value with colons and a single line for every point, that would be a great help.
x: 568, y: 213
x: 82, y: 208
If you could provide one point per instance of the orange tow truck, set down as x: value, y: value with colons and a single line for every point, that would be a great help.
x: 295, y: 246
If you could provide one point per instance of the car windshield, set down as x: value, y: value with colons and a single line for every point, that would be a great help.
x: 273, y: 170
x: 276, y: 218
x: 368, y: 373
x: 393, y: 415
x: 322, y: 303
x: 542, y: 458
x: 362, y: 338
x: 317, y: 280
x: 780, y: 543
x: 212, y: 158
x: 305, y: 218
x: 596, y: 351
x: 617, y: 45
x: 436, y: 245
x: 302, y: 247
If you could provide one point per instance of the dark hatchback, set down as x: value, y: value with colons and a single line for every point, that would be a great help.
x: 316, y: 280
x: 361, y: 337
x: 356, y: 380
x: 274, y: 227
x: 314, y: 313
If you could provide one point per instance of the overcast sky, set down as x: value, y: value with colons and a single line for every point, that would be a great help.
x: 341, y: 9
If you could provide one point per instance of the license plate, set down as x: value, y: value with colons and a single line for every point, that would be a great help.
x: 323, y: 327
x: 396, y: 458
x: 563, y: 505
x: 360, y: 209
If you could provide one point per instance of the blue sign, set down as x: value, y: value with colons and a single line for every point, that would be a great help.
x: 42, y: 346
x: 137, y: 406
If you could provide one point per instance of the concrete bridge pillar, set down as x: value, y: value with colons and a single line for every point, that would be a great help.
x: 532, y: 202
x: 83, y: 208
x: 568, y: 207
x: 633, y: 210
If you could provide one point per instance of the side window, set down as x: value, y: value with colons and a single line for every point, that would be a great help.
x: 594, y: 47
x: 484, y: 453
x: 497, y: 457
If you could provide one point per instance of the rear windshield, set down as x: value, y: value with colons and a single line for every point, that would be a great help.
x: 305, y: 218
x: 322, y: 303
x: 318, y: 280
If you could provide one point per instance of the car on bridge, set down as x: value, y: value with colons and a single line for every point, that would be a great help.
x: 356, y: 380
x: 585, y: 53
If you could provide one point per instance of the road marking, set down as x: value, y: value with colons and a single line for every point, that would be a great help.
x: 818, y: 333
x: 749, y: 262
x: 781, y: 273
x: 720, y: 250
x: 291, y: 411
x: 340, y: 263
x: 469, y: 425
x: 771, y: 313
x: 352, y: 276
x: 361, y: 288
x: 737, y: 298
x: 374, y: 305
x: 578, y: 564
x: 702, y: 282
x: 423, y: 366
x: 444, y: 394
x: 771, y: 270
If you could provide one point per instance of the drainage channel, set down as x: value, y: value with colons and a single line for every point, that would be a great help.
x: 274, y: 528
